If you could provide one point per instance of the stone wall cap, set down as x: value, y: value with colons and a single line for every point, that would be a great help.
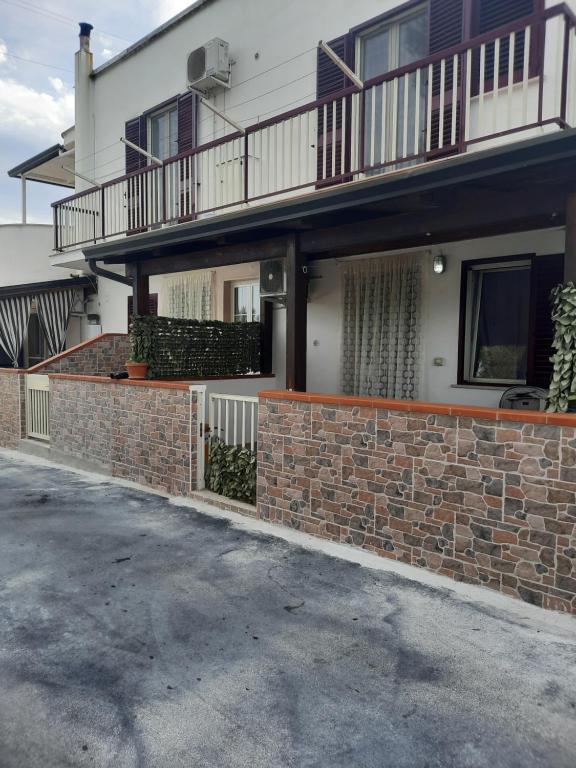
x: 417, y: 406
x: 148, y: 383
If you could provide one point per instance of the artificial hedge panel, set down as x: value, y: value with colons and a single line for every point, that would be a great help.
x: 231, y: 471
x: 179, y: 348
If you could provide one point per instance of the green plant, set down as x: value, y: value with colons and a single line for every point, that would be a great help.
x: 563, y: 384
x: 231, y: 471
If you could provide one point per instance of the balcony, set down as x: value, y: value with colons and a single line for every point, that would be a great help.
x: 512, y: 83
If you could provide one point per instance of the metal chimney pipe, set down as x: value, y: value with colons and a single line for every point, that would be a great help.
x: 85, y: 30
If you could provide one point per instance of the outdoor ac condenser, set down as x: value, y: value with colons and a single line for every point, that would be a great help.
x: 273, y: 279
x: 209, y: 66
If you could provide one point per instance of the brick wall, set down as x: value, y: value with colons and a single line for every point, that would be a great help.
x: 12, y: 407
x: 137, y: 431
x: 99, y: 356
x: 484, y: 496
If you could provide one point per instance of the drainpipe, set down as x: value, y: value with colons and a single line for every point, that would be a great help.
x: 95, y: 269
x: 84, y: 118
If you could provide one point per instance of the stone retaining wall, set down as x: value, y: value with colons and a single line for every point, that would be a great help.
x: 139, y: 431
x: 484, y: 496
x: 100, y: 356
x: 12, y: 407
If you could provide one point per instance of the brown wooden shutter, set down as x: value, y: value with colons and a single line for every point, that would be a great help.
x: 446, y: 24
x: 491, y: 14
x: 152, y: 306
x: 547, y: 272
x: 446, y: 30
x: 187, y: 122
x: 330, y: 80
x: 187, y: 140
x: 136, y: 132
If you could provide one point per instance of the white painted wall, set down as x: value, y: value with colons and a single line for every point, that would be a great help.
x: 25, y: 251
x: 24, y: 254
x: 262, y: 35
x: 440, y: 318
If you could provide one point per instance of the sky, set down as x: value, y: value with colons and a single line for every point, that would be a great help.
x: 38, y: 40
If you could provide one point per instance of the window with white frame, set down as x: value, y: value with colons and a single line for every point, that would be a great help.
x: 245, y: 302
x: 163, y: 132
x: 497, y: 322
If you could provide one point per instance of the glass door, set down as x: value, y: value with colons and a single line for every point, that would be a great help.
x: 389, y: 133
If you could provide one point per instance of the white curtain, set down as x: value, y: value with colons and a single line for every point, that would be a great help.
x: 14, y: 317
x: 54, y: 310
x: 381, y: 333
x: 187, y: 295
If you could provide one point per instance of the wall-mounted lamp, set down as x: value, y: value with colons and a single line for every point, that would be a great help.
x: 439, y: 264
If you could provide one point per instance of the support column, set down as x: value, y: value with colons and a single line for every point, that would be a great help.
x: 140, y: 290
x: 267, y: 320
x: 570, y: 248
x: 296, y: 315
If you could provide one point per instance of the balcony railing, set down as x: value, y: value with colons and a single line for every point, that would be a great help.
x: 514, y: 79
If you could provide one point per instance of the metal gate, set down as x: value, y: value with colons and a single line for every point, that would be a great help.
x: 38, y: 406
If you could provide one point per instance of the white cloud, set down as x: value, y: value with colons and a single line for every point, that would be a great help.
x: 57, y: 84
x: 24, y: 110
x: 3, y: 51
x: 165, y: 9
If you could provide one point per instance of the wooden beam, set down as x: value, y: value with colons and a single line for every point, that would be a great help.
x: 296, y: 315
x: 140, y: 290
x: 570, y: 248
x: 489, y: 215
x: 215, y: 257
x: 267, y: 320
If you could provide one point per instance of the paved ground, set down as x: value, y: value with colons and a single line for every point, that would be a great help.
x: 137, y: 633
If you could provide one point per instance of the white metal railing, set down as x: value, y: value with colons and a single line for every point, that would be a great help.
x: 520, y: 77
x: 234, y: 419
x: 38, y: 406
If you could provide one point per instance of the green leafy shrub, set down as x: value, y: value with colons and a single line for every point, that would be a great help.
x: 563, y: 384
x: 232, y: 471
x: 177, y: 348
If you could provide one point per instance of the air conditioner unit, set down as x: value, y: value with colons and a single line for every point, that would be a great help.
x: 272, y: 279
x: 209, y: 66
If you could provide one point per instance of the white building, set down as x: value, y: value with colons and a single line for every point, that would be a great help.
x: 448, y: 142
x: 42, y: 307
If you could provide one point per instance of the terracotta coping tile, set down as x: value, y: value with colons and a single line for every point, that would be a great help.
x: 13, y: 370
x: 417, y: 406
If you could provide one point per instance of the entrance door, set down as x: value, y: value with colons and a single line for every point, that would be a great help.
x: 389, y: 132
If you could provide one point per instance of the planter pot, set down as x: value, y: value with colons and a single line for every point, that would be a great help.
x: 137, y: 370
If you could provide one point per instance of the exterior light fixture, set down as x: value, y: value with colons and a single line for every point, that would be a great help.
x: 439, y: 264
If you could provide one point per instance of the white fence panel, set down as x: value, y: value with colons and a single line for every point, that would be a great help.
x: 38, y: 406
x: 234, y: 419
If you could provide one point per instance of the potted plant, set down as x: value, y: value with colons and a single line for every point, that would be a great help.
x: 138, y: 363
x: 137, y: 367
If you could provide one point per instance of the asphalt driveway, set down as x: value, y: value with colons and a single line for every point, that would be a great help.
x: 137, y: 633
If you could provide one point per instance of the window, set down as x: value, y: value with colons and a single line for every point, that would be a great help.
x: 497, y: 322
x: 163, y: 133
x: 245, y: 302
x: 381, y: 49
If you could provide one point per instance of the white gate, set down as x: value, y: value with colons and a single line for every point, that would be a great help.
x: 38, y: 406
x: 234, y: 419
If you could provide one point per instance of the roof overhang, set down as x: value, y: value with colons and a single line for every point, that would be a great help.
x: 47, y: 167
x: 528, y: 179
x: 33, y: 289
